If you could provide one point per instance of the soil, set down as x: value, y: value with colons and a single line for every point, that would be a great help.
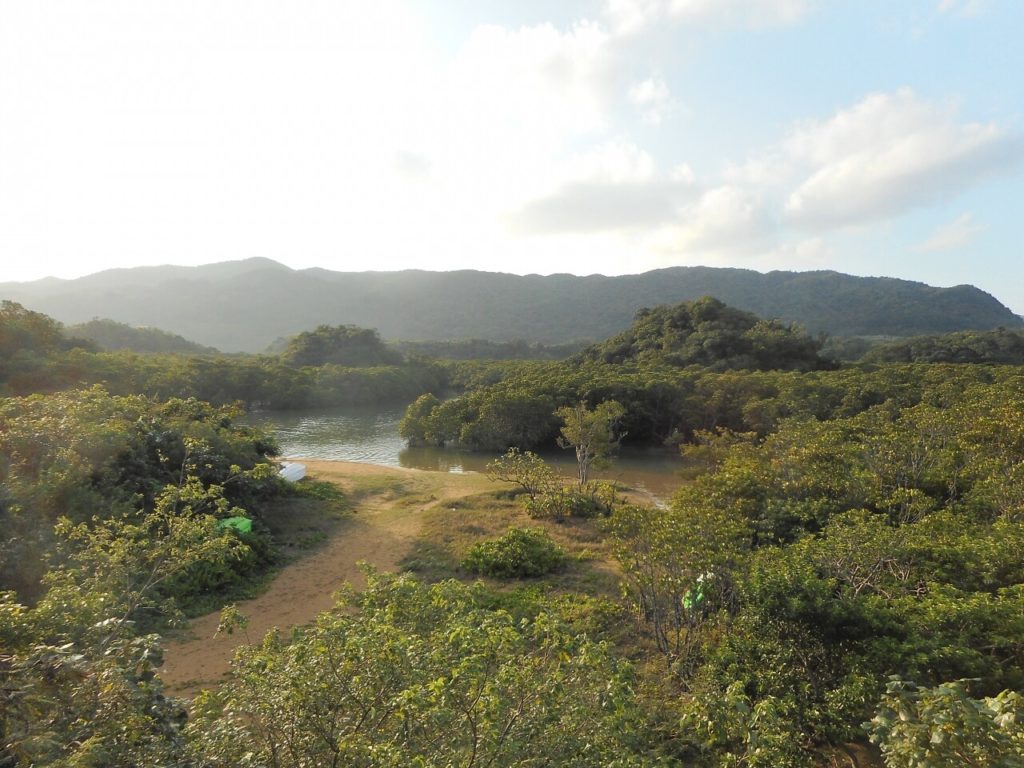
x: 381, y: 531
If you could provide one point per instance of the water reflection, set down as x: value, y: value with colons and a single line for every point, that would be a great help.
x: 370, y: 435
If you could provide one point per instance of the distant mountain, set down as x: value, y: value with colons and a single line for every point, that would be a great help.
x: 245, y: 305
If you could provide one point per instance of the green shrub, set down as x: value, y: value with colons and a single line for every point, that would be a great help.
x: 591, y: 500
x: 520, y: 552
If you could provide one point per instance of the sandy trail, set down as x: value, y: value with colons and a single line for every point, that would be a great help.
x: 380, y: 532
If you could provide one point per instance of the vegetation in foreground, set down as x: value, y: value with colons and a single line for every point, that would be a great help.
x: 843, y: 566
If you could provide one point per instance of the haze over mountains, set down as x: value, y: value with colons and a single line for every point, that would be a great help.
x: 245, y: 305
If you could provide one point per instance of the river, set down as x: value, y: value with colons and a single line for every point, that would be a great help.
x: 369, y: 434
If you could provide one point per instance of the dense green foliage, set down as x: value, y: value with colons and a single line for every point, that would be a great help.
x: 85, y: 454
x: 519, y: 553
x: 560, y: 502
x: 77, y: 674
x: 111, y: 336
x: 833, y: 555
x: 710, y: 334
x: 1000, y: 346
x: 482, y: 349
x: 264, y: 301
x: 36, y: 357
x: 30, y: 342
x: 24, y: 332
x: 344, y: 345
x: 943, y: 727
x: 843, y: 562
x: 421, y: 676
x: 665, y: 405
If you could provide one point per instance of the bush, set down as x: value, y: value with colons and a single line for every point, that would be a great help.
x: 591, y: 500
x: 519, y: 553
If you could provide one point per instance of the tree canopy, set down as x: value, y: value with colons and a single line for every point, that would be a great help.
x: 346, y: 345
x: 708, y: 333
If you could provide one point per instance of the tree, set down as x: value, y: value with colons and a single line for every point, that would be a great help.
x: 526, y: 470
x: 415, y: 426
x: 594, y: 434
x: 347, y: 345
x: 678, y: 566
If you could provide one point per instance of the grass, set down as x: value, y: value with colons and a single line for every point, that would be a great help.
x: 386, y: 487
x: 449, y: 529
x: 250, y: 587
x: 305, y: 517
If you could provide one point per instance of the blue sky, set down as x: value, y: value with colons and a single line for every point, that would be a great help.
x: 615, y: 136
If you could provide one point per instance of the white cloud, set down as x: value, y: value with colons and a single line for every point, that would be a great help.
x: 886, y: 154
x: 726, y: 217
x: 617, y: 162
x: 810, y: 253
x: 683, y: 173
x: 875, y: 159
x: 411, y: 165
x: 627, y: 17
x: 952, y: 236
x: 653, y: 98
x: 967, y: 9
x: 772, y: 169
x: 756, y: 13
x: 615, y: 186
x: 537, y: 76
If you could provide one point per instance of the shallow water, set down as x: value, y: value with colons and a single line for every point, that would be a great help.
x: 369, y: 434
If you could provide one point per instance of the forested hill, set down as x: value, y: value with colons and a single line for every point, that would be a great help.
x: 245, y: 305
x: 712, y: 335
x: 110, y: 335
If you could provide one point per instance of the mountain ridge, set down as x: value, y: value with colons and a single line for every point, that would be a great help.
x: 243, y: 305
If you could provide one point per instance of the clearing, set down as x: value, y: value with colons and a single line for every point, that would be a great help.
x: 381, y: 530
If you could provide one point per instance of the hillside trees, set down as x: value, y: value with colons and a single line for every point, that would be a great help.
x: 110, y: 335
x: 708, y: 333
x: 32, y: 347
x: 999, y: 346
x: 669, y: 406
x: 22, y: 330
x: 346, y: 345
x: 508, y: 404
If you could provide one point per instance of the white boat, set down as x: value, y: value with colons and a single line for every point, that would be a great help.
x: 292, y: 471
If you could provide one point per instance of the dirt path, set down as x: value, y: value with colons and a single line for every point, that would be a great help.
x: 380, y: 532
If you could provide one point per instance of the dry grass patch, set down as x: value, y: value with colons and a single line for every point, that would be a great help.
x: 450, y: 528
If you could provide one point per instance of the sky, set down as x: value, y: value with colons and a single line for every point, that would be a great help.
x: 616, y: 136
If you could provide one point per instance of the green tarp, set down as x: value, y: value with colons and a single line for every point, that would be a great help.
x: 240, y: 524
x: 693, y: 597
